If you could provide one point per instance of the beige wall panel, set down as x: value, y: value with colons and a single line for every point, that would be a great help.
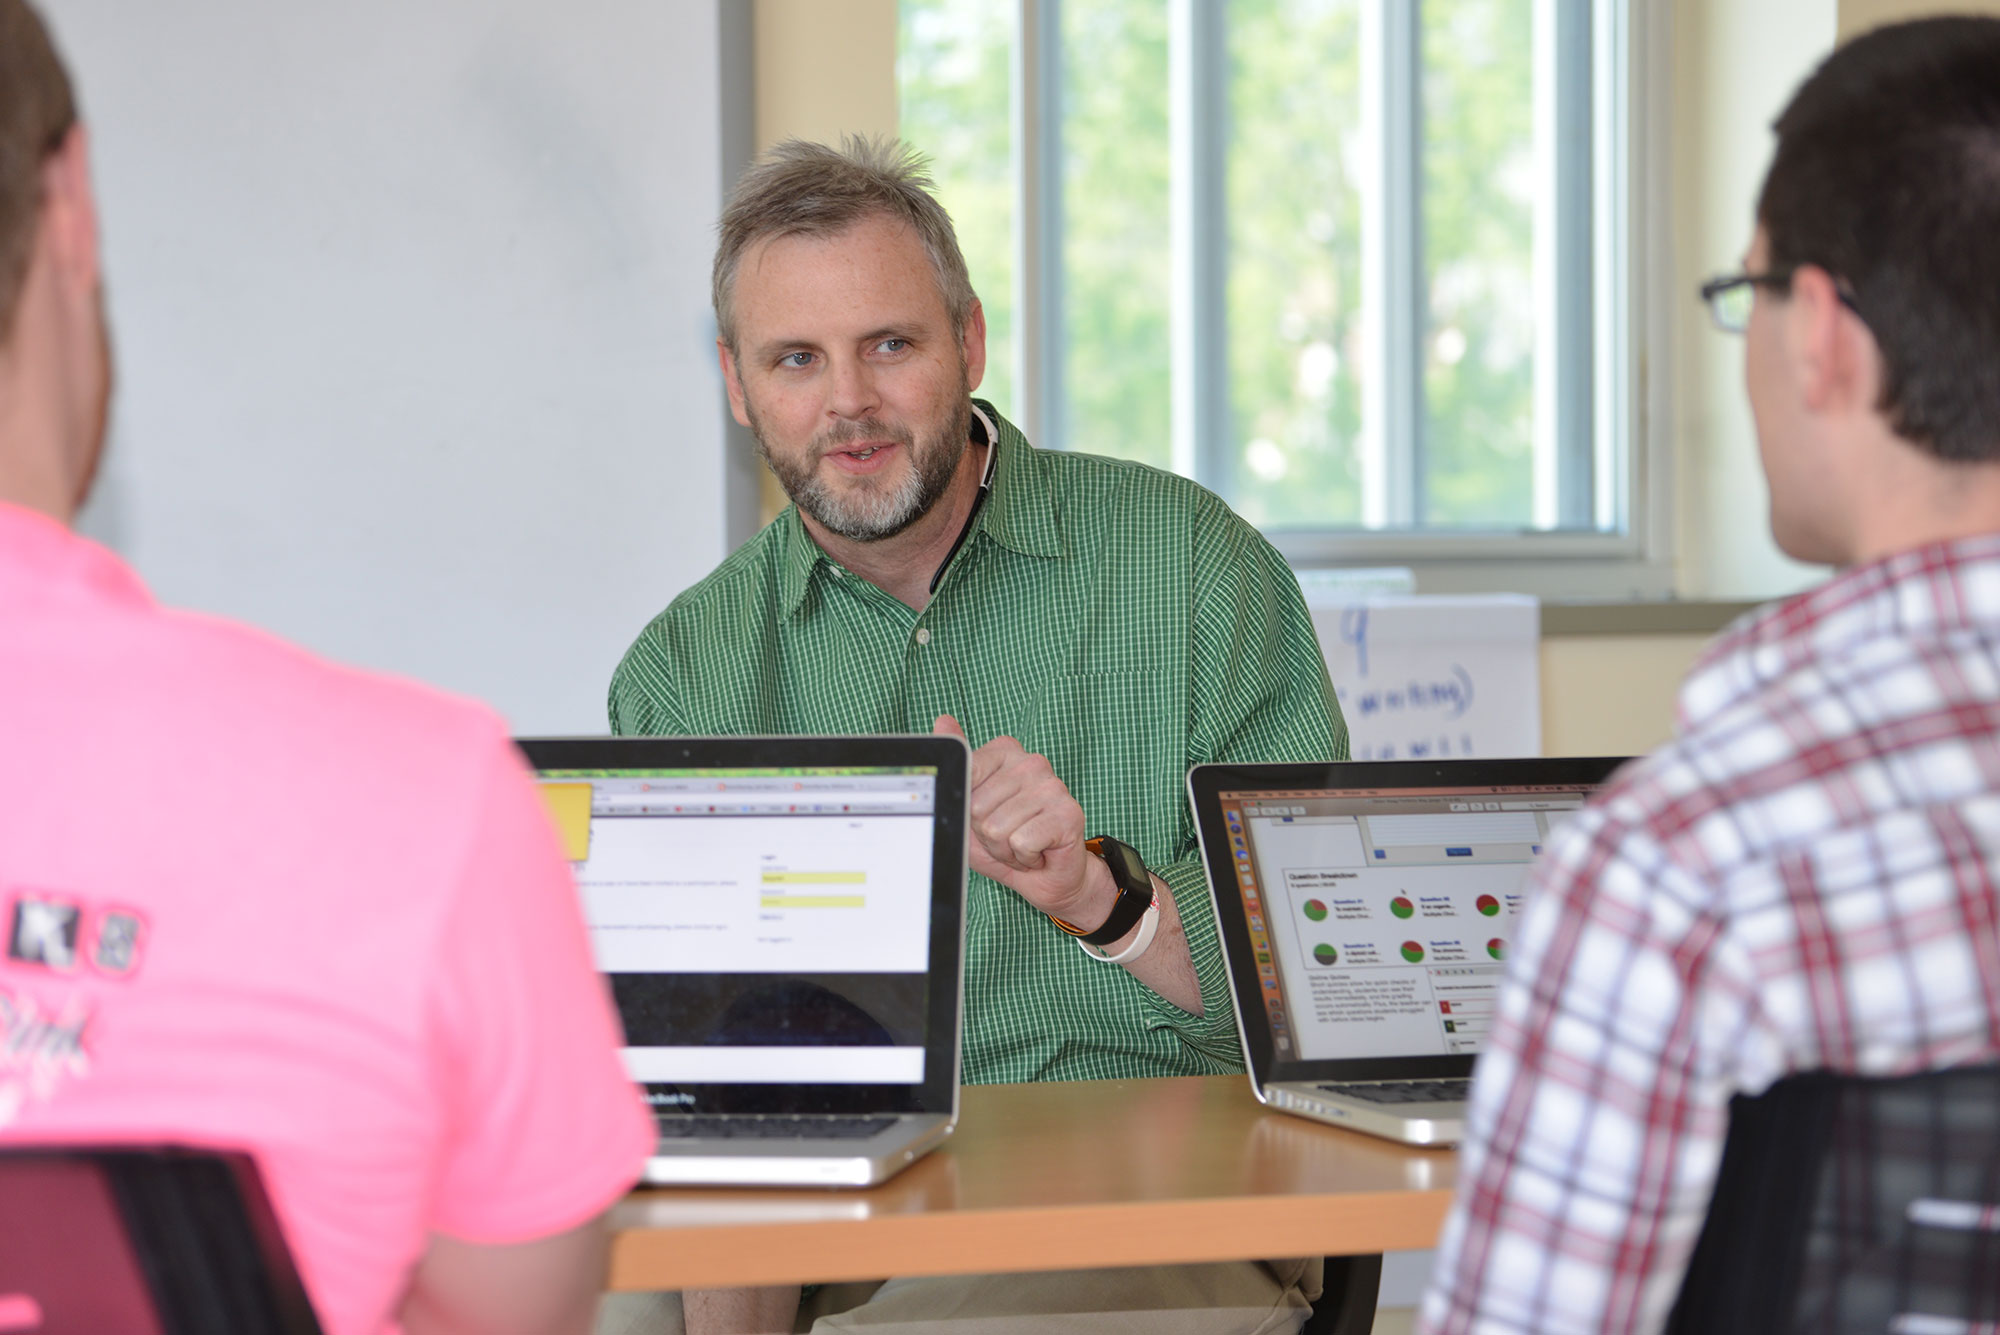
x: 1858, y: 16
x: 1734, y: 66
x: 824, y: 68
x: 1612, y: 695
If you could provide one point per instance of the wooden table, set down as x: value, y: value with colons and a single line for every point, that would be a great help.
x: 1052, y: 1176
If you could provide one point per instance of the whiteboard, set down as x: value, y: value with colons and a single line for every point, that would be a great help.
x: 410, y: 306
x: 1435, y: 677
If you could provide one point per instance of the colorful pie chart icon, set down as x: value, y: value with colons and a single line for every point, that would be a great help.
x: 1497, y: 948
x: 1488, y: 905
x: 1413, y: 952
x: 1326, y: 954
x: 1401, y: 907
x: 1316, y: 911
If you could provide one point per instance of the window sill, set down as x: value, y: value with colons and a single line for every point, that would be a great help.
x: 1639, y: 618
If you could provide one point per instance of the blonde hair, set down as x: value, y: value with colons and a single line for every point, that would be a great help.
x: 801, y: 188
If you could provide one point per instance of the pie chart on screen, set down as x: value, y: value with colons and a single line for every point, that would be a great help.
x: 1413, y: 952
x: 1488, y: 905
x: 1401, y: 907
x: 1326, y: 954
x: 1497, y: 948
x: 1316, y: 911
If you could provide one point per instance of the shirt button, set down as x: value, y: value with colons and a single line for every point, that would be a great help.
x: 923, y: 635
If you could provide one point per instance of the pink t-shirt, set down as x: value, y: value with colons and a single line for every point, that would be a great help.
x: 253, y: 900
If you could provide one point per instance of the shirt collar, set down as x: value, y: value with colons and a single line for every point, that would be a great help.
x: 1922, y: 594
x: 40, y: 555
x: 1023, y: 515
x: 799, y: 557
x: 1020, y: 512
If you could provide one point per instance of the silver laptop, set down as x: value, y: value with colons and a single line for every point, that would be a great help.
x: 1365, y: 910
x: 781, y: 923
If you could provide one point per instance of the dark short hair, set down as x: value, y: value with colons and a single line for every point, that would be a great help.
x: 1887, y: 176
x: 801, y: 188
x: 37, y: 110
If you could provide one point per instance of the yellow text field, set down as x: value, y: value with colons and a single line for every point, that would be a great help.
x: 569, y: 807
x: 815, y: 878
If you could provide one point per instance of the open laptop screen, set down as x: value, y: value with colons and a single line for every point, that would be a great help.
x: 769, y: 928
x: 1369, y: 919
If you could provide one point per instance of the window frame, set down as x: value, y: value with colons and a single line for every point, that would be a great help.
x: 1611, y: 403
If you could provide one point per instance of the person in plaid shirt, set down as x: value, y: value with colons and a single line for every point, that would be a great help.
x: 1804, y: 878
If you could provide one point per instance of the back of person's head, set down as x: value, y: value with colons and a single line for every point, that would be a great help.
x: 1887, y: 176
x: 37, y: 110
x: 806, y: 189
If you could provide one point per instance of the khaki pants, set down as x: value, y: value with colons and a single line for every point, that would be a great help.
x: 1229, y: 1298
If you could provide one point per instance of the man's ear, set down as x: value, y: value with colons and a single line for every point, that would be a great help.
x: 972, y: 345
x: 69, y: 214
x: 733, y: 383
x: 1836, y: 355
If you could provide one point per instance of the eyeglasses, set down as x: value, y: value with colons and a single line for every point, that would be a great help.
x: 1730, y: 298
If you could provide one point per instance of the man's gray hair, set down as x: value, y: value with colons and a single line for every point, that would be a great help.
x: 807, y: 189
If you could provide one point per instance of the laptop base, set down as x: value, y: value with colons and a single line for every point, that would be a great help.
x: 1439, y: 1124
x: 800, y: 1163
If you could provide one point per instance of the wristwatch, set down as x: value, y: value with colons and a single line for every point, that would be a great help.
x: 1135, y: 891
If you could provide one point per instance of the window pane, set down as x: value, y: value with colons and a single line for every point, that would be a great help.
x: 1116, y: 243
x: 952, y: 105
x: 1477, y: 194
x: 1295, y: 261
x: 1485, y: 450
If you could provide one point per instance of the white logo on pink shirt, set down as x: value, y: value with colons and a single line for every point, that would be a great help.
x: 59, y: 933
x: 38, y: 1050
x: 45, y: 932
x: 41, y: 1048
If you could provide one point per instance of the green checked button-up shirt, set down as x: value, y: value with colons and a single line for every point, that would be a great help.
x: 1119, y: 620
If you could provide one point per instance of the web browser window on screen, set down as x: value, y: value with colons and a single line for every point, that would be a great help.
x: 1380, y: 923
x: 758, y: 926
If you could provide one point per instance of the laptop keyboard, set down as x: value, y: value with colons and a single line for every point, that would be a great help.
x: 1406, y: 1091
x: 772, y: 1128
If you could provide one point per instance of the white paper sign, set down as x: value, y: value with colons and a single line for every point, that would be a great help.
x: 1435, y: 677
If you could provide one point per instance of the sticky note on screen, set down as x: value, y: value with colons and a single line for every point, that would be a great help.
x: 569, y: 807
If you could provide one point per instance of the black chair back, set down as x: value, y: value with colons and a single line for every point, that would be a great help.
x: 147, y: 1241
x: 1349, y: 1289
x: 1853, y: 1205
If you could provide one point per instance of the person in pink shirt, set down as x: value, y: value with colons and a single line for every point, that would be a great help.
x: 252, y: 900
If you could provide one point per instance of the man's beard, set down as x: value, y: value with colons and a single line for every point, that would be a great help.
x: 867, y: 512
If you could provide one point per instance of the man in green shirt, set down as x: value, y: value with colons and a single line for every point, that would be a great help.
x: 1092, y: 627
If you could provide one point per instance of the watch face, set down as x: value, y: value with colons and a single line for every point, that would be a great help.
x: 1127, y: 867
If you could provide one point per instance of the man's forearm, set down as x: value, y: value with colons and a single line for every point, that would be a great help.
x: 1167, y: 966
x: 548, y: 1286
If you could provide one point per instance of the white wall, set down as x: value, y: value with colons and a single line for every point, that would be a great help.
x: 410, y: 304
x: 1735, y: 67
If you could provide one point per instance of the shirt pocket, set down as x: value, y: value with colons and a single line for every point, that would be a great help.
x: 1117, y: 738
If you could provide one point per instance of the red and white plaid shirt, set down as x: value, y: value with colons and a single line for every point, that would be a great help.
x: 1804, y: 878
